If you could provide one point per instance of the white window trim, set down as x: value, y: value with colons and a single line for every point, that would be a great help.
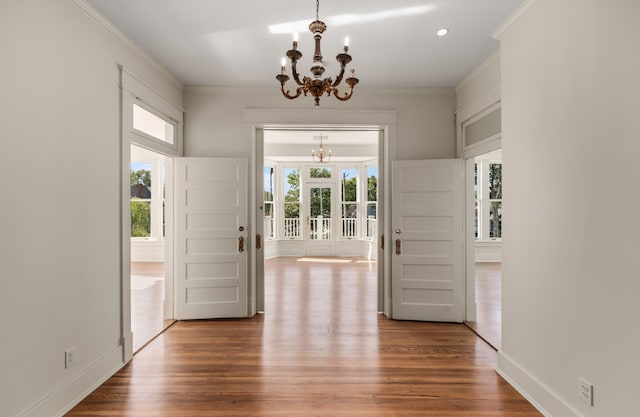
x: 483, y: 206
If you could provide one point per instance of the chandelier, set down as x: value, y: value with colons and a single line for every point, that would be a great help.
x: 317, y: 85
x: 321, y: 157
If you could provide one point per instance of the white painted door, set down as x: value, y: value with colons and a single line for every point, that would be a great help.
x: 427, y: 240
x: 211, y: 237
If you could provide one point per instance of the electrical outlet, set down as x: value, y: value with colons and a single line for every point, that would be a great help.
x: 70, y: 357
x: 585, y: 391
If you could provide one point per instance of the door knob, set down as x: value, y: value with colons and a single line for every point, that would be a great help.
x: 398, y: 247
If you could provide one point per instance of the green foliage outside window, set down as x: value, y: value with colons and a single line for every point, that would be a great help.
x: 140, y: 209
x: 140, y: 218
x: 141, y: 176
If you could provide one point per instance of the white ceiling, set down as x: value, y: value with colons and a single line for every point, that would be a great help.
x: 393, y: 43
x: 296, y: 144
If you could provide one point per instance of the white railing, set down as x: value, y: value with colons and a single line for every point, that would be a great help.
x: 349, y: 227
x: 372, y: 228
x: 320, y: 229
x: 291, y: 228
x: 269, y: 227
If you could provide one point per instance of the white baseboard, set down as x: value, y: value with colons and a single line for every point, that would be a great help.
x: 65, y: 397
x: 537, y: 393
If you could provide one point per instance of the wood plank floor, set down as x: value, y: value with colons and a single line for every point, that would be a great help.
x: 320, y: 350
x: 489, y: 303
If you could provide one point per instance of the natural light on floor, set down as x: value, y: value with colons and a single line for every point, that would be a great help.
x: 326, y: 260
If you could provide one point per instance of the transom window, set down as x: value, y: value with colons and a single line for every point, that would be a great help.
x: 150, y: 124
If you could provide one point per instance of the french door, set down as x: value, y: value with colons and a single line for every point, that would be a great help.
x: 320, y: 219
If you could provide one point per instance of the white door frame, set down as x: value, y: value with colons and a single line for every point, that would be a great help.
x: 255, y: 120
x: 133, y: 89
x: 486, y: 104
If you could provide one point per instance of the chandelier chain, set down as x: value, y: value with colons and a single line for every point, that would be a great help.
x: 317, y: 9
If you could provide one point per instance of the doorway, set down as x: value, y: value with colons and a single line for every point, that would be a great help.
x: 148, y: 252
x: 487, y: 247
x: 319, y: 213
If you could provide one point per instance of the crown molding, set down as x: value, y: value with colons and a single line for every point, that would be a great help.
x: 513, y: 19
x: 466, y: 80
x: 427, y: 91
x: 117, y: 34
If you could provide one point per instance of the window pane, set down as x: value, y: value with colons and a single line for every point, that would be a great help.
x: 495, y: 181
x: 140, y: 183
x: 291, y: 220
x: 320, y: 204
x: 140, y: 218
x: 268, y: 183
x: 371, y: 220
x: 476, y: 211
x: 291, y: 185
x: 475, y: 181
x: 495, y: 219
x: 269, y: 221
x: 372, y: 184
x: 349, y: 181
x: 152, y: 125
x: 320, y: 172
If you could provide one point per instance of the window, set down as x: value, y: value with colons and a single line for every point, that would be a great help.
x: 148, y: 123
x: 269, y: 212
x: 488, y: 198
x: 147, y: 194
x: 140, y: 181
x: 495, y: 200
x: 372, y: 202
x: 349, y: 202
x: 291, y: 205
x: 316, y: 173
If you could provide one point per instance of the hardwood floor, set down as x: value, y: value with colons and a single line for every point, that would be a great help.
x: 319, y: 350
x: 488, y: 323
x: 147, y: 295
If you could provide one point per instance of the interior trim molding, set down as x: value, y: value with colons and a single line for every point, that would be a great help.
x: 58, y: 402
x: 546, y: 401
x: 117, y: 34
x: 511, y: 21
x: 469, y: 78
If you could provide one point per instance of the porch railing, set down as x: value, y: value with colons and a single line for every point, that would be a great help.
x: 291, y: 228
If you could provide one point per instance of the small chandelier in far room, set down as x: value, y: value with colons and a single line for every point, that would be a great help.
x: 317, y: 85
x: 321, y: 156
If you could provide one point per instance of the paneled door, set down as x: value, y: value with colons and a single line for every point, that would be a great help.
x: 427, y: 240
x: 211, y: 238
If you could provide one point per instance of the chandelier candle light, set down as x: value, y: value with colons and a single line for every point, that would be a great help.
x: 321, y: 157
x: 317, y: 85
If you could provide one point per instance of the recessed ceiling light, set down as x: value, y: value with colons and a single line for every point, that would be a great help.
x: 442, y: 32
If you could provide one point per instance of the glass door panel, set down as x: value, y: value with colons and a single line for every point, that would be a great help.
x: 320, y: 213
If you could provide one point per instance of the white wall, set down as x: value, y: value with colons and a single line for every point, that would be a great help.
x: 425, y: 122
x: 59, y: 220
x: 571, y: 100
